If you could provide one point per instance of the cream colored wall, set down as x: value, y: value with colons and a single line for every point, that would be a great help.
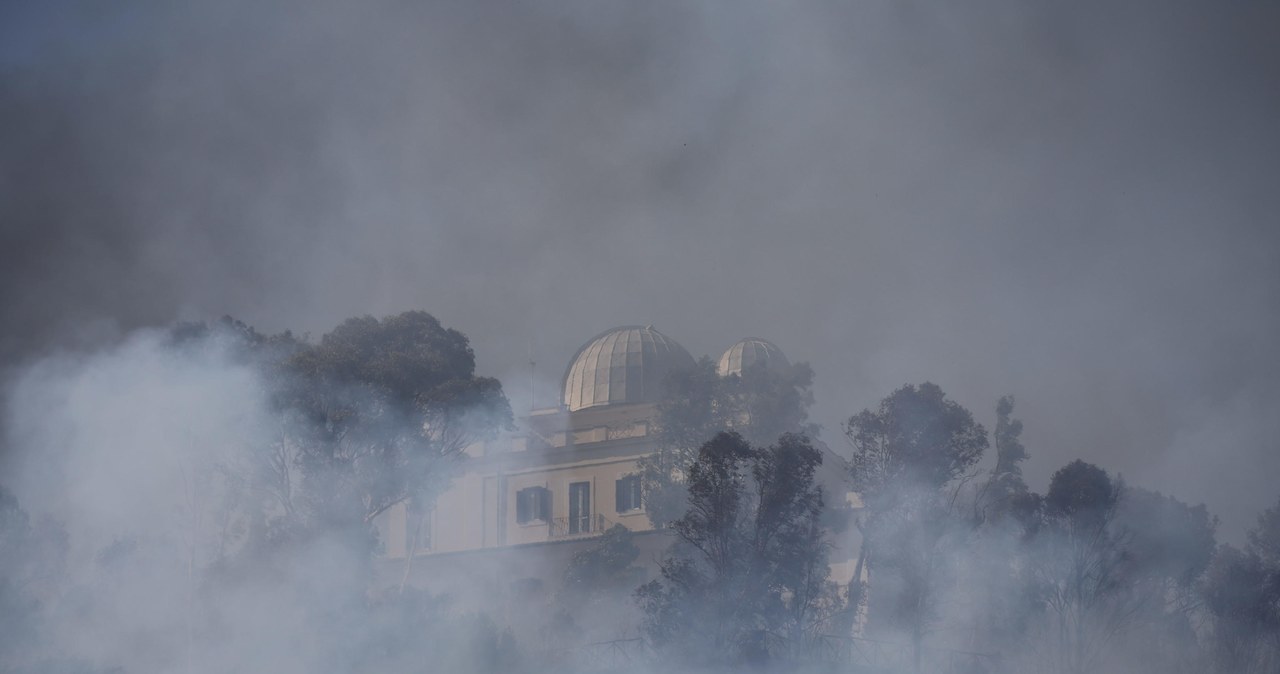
x: 478, y: 510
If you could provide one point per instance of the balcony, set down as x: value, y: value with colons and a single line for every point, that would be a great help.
x: 577, y: 527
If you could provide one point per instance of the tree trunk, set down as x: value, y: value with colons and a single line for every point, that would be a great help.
x: 413, y: 548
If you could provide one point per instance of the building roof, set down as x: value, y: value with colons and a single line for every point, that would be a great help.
x: 748, y: 352
x: 623, y: 365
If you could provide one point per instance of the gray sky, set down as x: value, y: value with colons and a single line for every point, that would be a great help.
x: 1074, y: 203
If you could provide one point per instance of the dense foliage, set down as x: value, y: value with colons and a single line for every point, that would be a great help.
x: 749, y: 574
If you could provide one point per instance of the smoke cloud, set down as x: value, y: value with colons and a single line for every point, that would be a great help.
x: 1075, y: 204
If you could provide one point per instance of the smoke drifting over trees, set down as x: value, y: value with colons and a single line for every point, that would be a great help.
x: 207, y: 496
x: 212, y: 492
x: 1075, y: 203
x: 1072, y: 203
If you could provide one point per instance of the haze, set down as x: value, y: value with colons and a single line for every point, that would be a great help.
x: 1076, y: 204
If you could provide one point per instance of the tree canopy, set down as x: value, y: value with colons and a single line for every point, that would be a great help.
x: 760, y: 404
x: 916, y: 440
x: 751, y: 557
x: 388, y: 405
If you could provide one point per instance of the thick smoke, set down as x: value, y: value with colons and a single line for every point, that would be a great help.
x: 118, y: 441
x: 144, y: 461
x: 131, y: 449
x: 1073, y: 203
x: 144, y: 458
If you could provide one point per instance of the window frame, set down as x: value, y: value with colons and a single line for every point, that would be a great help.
x: 533, y: 505
x: 633, y: 489
x: 580, y: 515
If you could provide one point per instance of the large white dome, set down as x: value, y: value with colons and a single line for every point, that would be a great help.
x: 622, y: 365
x: 747, y: 353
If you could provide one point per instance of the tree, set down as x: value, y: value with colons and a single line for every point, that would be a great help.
x: 761, y: 404
x: 375, y: 414
x: 695, y: 407
x: 1241, y: 592
x: 988, y: 582
x: 767, y: 402
x: 603, y: 567
x: 1170, y: 544
x: 751, y: 556
x: 916, y: 440
x: 385, y: 408
x: 1076, y: 562
x: 910, y: 458
x: 1113, y: 564
x: 597, y: 586
x: 257, y: 486
x: 1005, y: 484
x: 1264, y: 538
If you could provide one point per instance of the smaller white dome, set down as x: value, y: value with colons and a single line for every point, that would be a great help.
x: 747, y: 353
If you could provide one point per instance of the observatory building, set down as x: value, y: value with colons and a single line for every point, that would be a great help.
x: 567, y: 475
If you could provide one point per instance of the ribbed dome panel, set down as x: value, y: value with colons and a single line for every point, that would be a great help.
x: 623, y: 365
x: 749, y: 352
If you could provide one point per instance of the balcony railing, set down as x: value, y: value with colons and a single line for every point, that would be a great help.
x: 572, y: 527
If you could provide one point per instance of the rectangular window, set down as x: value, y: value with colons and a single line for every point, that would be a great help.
x: 628, y: 494
x: 424, y: 531
x: 579, y: 507
x: 533, y: 504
